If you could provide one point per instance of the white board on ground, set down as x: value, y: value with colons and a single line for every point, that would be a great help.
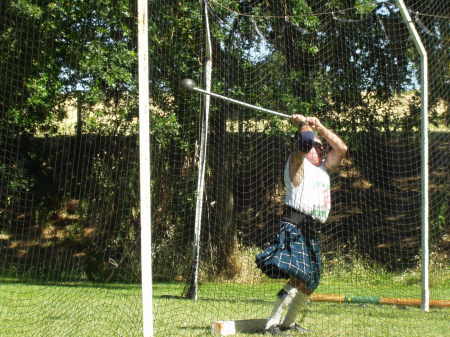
x: 229, y: 328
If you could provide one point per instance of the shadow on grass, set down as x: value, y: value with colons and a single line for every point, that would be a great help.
x: 69, y: 284
x: 205, y: 299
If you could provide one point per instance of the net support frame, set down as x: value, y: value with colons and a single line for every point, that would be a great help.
x: 193, y: 291
x: 425, y: 306
x: 144, y: 169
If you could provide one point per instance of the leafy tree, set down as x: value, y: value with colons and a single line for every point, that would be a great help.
x: 85, y: 50
x: 78, y: 49
x: 342, y: 62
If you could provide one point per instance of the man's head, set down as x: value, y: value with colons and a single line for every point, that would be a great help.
x: 316, y: 154
x: 310, y: 144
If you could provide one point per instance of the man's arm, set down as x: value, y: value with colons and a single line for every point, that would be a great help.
x: 296, y: 162
x: 339, y: 148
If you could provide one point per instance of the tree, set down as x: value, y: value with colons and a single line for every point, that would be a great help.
x: 337, y: 60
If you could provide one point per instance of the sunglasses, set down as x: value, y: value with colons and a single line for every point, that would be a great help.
x: 318, y: 146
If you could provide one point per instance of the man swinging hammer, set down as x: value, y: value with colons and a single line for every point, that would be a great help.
x: 295, y: 252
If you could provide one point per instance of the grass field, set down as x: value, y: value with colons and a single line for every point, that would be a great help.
x: 89, y: 310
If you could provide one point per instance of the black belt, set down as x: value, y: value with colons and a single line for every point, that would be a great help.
x: 300, y: 219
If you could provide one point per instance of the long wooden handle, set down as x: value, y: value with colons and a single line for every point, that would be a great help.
x: 377, y: 300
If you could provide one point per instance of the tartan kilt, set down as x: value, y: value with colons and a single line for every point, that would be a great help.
x: 294, y: 254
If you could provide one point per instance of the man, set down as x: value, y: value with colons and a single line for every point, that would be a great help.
x: 295, y: 254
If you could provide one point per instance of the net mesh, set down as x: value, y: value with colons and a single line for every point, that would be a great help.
x: 69, y: 162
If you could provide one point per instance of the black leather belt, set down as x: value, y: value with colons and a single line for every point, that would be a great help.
x: 300, y: 219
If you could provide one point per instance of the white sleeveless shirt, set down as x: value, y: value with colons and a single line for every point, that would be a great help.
x: 312, y: 196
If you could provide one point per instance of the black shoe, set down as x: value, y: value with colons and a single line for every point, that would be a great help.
x: 274, y: 331
x: 295, y: 327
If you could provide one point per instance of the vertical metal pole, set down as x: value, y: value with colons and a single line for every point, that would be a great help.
x: 424, y: 153
x: 193, y: 291
x: 144, y: 169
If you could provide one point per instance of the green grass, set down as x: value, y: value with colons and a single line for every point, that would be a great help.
x: 89, y: 310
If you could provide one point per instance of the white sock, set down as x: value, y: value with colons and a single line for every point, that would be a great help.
x: 285, y: 297
x: 297, y: 304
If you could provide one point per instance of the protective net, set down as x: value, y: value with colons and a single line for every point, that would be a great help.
x: 69, y: 195
x: 69, y: 163
x: 355, y: 67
